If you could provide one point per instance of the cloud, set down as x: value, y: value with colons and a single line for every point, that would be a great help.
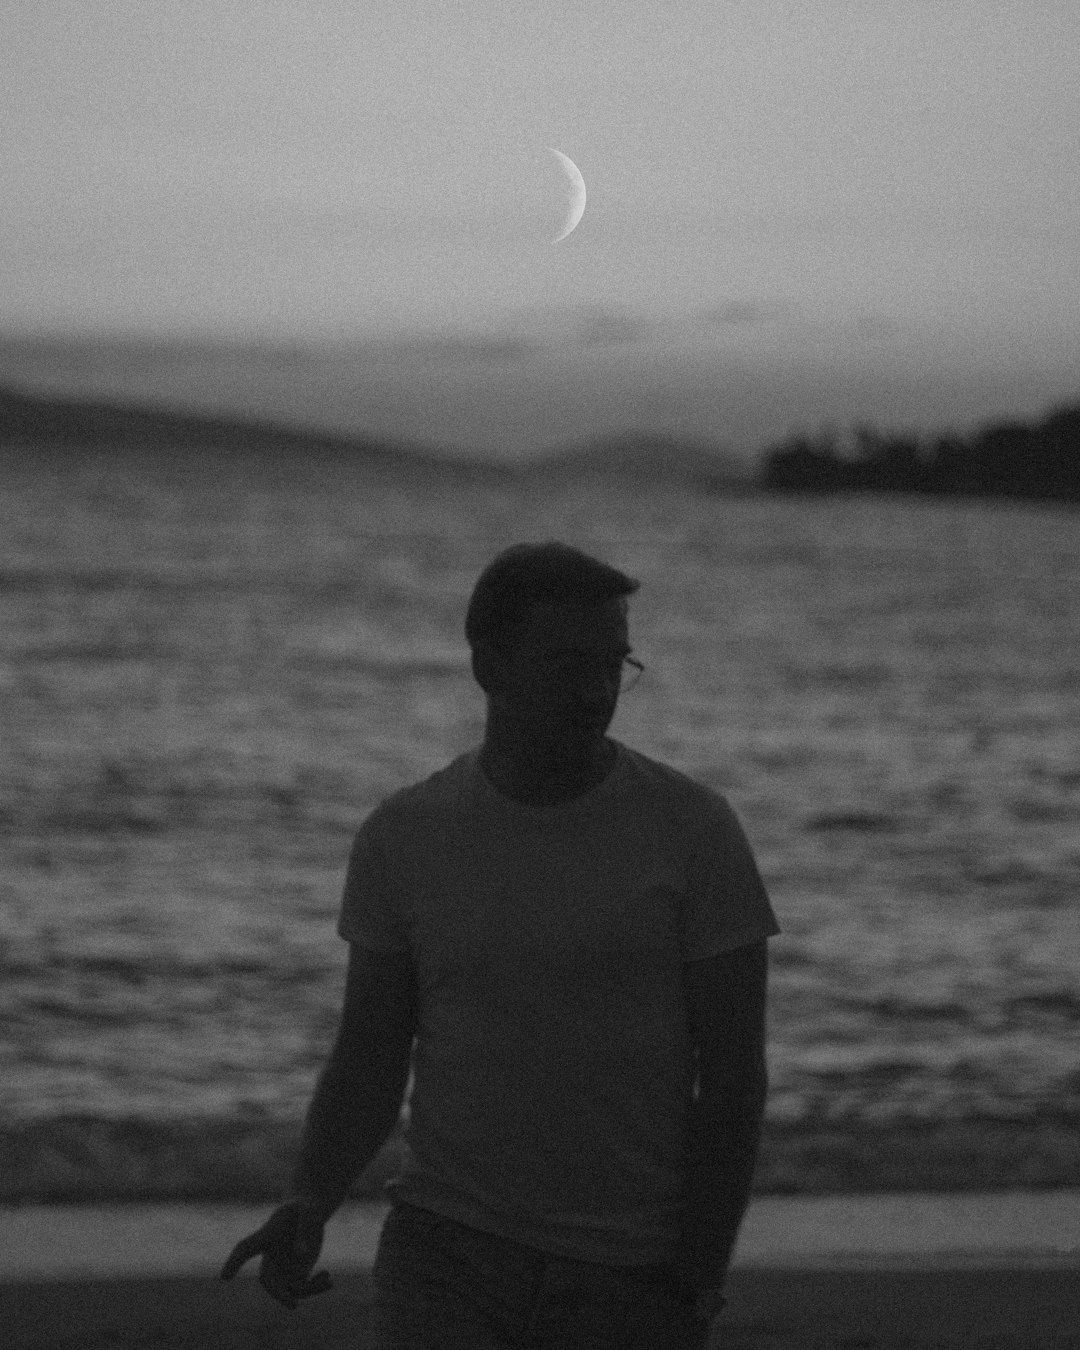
x: 606, y: 326
x: 743, y: 313
x: 457, y: 348
x: 579, y: 325
x: 603, y: 325
x: 587, y: 327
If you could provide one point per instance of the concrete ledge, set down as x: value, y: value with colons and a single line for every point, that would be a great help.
x: 1014, y: 1229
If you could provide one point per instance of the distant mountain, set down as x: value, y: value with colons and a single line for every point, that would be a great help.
x: 514, y: 394
x: 28, y: 420
x: 657, y: 458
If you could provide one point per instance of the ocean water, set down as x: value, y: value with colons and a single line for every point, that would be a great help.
x: 210, y: 674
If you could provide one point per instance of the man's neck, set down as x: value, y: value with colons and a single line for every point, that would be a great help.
x: 559, y: 784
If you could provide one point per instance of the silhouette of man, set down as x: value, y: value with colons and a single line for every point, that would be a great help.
x: 566, y: 940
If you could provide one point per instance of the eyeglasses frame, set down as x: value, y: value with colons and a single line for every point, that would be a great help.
x: 635, y: 665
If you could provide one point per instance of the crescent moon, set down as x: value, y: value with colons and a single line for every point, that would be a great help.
x: 576, y: 184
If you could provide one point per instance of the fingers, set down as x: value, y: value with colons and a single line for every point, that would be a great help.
x: 289, y: 1250
x: 320, y: 1283
x: 252, y: 1245
x: 276, y: 1287
x: 289, y: 1294
x: 244, y: 1250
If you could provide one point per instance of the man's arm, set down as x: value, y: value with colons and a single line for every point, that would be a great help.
x: 358, y: 1098
x: 726, y: 1010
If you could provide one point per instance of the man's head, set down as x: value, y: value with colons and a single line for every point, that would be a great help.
x: 548, y: 629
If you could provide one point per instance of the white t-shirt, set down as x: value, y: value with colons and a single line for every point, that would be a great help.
x: 552, y: 1065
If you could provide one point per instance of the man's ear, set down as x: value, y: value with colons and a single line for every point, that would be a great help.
x: 486, y: 668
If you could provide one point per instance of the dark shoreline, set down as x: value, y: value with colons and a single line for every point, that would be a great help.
x: 1005, y: 460
x: 784, y: 1309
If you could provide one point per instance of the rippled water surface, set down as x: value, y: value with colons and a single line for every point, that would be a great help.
x: 209, y: 678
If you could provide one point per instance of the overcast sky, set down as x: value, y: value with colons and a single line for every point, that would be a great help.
x: 305, y: 167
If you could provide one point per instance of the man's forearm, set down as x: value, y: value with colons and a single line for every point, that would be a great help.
x: 350, y: 1117
x: 720, y: 1172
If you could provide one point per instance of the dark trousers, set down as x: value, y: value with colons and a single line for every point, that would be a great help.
x: 440, y: 1285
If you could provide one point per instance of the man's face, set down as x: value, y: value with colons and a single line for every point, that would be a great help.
x: 562, y: 679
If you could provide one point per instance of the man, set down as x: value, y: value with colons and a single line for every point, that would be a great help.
x: 566, y: 940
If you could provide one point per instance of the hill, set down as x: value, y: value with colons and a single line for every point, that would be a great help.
x: 30, y: 420
x: 652, y: 458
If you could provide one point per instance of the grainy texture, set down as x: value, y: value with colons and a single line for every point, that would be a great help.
x: 93, y: 1161
x: 767, y: 1310
x: 212, y: 673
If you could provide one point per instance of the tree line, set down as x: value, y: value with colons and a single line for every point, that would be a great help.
x: 1038, y: 461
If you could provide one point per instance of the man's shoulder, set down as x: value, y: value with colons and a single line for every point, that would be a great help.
x: 438, y: 792
x: 659, y: 786
x: 683, y: 792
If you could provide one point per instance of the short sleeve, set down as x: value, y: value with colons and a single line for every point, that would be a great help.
x: 368, y: 916
x: 727, y: 905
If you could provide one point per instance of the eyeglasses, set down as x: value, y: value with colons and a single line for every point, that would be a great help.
x: 629, y: 671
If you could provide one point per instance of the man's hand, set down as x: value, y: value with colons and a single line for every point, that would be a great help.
x: 290, y: 1242
x: 709, y: 1304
